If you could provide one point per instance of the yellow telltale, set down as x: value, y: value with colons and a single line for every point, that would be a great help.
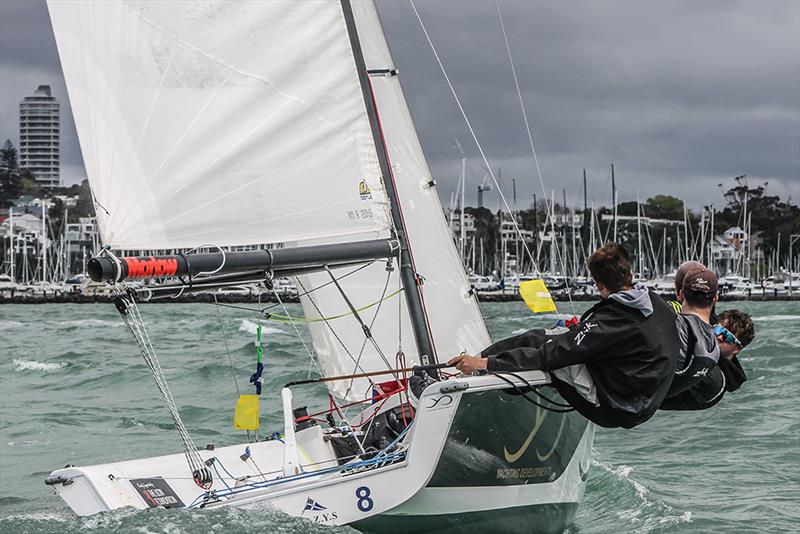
x: 537, y: 296
x: 246, y: 415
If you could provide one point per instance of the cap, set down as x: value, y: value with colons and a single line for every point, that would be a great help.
x: 684, y: 268
x: 700, y: 281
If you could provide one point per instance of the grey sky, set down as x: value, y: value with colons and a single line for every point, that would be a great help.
x: 681, y: 96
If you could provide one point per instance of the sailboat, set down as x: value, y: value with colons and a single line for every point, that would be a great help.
x: 213, y: 125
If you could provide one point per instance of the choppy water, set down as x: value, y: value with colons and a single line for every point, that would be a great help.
x: 74, y: 390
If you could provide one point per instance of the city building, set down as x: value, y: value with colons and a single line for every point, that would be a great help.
x: 39, y: 136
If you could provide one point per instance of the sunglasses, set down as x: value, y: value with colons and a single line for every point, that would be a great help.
x: 727, y: 335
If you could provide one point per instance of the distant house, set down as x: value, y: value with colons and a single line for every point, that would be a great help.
x: 736, y: 237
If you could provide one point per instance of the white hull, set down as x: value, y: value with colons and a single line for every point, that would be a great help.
x: 415, y: 483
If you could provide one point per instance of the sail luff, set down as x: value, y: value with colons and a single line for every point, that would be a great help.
x: 456, y: 323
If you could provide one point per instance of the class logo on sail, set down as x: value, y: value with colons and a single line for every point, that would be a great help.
x: 364, y: 191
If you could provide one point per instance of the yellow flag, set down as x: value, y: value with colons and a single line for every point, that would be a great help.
x: 246, y: 416
x: 537, y: 296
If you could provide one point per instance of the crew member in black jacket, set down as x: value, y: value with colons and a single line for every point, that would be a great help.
x: 735, y: 334
x: 628, y: 343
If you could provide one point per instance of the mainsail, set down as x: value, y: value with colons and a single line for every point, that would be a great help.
x: 241, y: 123
x: 224, y: 123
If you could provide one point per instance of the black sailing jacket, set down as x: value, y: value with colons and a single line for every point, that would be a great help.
x: 632, y: 359
x: 726, y: 376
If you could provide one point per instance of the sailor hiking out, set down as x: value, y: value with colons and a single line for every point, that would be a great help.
x: 699, y: 352
x: 627, y: 344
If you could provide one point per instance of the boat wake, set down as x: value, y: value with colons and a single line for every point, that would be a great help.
x: 162, y: 521
x: 33, y: 365
x: 645, y: 514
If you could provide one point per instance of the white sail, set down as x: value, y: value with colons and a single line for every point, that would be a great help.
x: 452, y: 313
x: 234, y: 123
x: 217, y: 122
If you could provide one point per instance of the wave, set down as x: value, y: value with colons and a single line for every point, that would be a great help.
x: 251, y: 328
x: 90, y: 322
x: 159, y: 521
x: 33, y: 365
x: 648, y: 515
x: 777, y: 318
x: 7, y: 323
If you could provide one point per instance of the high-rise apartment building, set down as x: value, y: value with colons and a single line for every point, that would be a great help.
x: 39, y: 136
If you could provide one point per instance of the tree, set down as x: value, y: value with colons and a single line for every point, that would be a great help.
x: 664, y: 207
x: 85, y: 204
x: 10, y: 182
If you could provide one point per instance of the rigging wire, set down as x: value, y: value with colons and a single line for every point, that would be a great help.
x: 374, y: 318
x: 126, y: 305
x: 364, y: 327
x: 535, y: 157
x: 332, y: 330
x: 263, y: 310
x: 297, y: 331
x: 480, y: 147
x: 227, y: 348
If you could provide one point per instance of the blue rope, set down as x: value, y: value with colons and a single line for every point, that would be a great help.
x: 262, y: 485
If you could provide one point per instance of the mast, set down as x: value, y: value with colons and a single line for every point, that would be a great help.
x: 536, y: 233
x: 408, y: 274
x: 44, y: 240
x: 614, y: 200
x: 564, y: 257
x: 639, y: 234
x: 463, y: 190
x: 13, y: 248
x: 711, y: 241
x: 586, y: 215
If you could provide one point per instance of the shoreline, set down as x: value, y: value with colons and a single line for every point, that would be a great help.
x: 495, y: 296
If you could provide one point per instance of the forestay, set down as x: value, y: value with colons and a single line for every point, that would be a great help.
x: 452, y: 312
x: 217, y: 122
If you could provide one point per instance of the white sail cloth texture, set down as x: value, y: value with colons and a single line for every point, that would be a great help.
x: 453, y: 314
x: 219, y: 122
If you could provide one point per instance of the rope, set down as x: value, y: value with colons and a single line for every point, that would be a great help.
x: 127, y: 308
x: 525, y: 396
x: 354, y: 311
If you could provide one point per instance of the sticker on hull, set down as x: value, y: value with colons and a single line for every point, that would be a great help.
x: 156, y: 492
x: 498, y: 439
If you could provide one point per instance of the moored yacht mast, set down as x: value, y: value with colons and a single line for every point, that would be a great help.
x: 408, y: 274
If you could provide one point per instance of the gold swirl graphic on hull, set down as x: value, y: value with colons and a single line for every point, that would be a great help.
x: 541, y: 414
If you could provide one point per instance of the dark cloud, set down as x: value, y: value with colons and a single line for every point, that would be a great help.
x: 680, y: 96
